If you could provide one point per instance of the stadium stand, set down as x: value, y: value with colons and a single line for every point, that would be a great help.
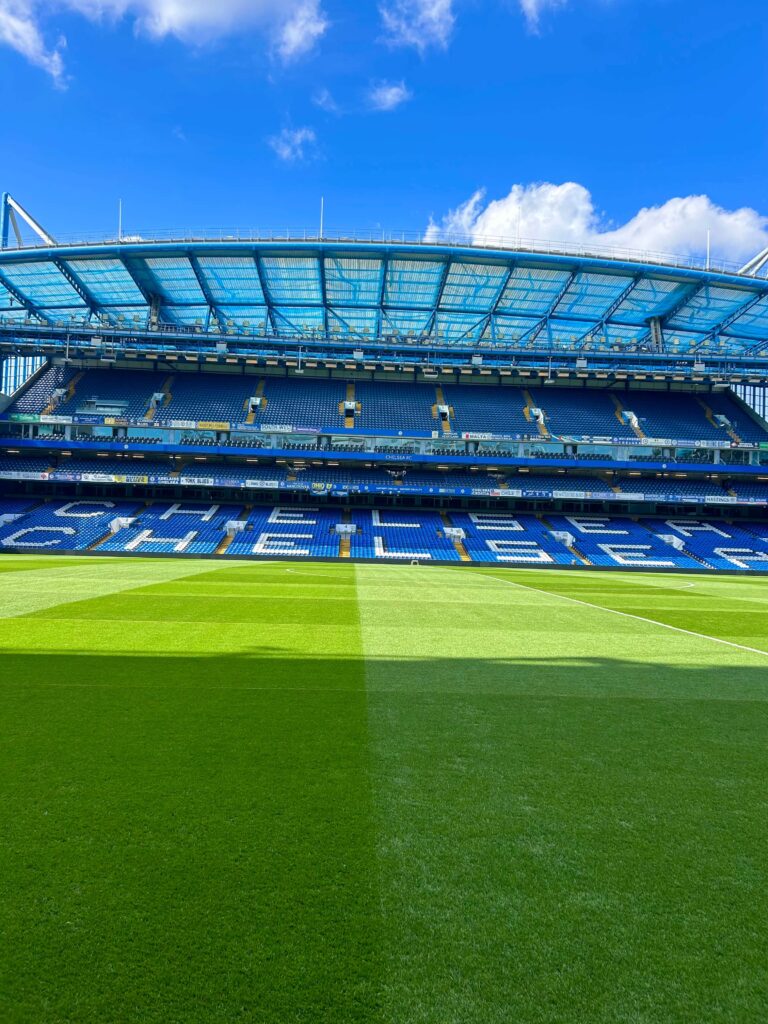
x: 63, y: 525
x: 506, y: 537
x: 195, y: 528
x: 315, y: 404
x: 618, y: 541
x: 128, y: 391
x: 721, y: 545
x: 580, y: 412
x: 206, y: 528
x: 499, y: 411
x: 401, y: 535
x: 288, y: 533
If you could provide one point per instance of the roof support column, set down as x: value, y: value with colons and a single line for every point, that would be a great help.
x: 657, y: 334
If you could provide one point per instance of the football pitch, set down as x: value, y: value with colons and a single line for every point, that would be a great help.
x: 299, y: 792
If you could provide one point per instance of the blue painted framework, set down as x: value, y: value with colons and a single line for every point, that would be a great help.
x: 331, y: 298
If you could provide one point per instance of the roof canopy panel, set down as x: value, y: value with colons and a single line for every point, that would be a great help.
x: 452, y: 296
x: 232, y: 280
x: 293, y: 280
x: 107, y: 280
x: 42, y: 283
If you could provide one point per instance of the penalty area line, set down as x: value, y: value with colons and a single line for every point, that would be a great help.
x: 625, y: 615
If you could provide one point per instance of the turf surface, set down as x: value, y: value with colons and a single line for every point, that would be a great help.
x: 409, y: 795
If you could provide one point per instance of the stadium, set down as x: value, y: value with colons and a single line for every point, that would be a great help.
x: 290, y: 397
x: 383, y: 625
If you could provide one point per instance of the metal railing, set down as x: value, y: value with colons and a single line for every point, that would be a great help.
x: 431, y: 237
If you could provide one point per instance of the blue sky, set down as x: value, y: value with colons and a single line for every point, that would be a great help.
x: 242, y: 113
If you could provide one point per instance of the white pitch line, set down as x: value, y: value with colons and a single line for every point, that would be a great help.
x: 626, y: 615
x: 299, y: 572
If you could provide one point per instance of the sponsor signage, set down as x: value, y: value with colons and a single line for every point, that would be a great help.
x: 212, y: 425
x: 56, y: 419
x: 277, y: 428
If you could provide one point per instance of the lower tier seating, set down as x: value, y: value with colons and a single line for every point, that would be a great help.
x: 232, y: 530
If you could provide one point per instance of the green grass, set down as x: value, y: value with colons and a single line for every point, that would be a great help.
x: 332, y: 793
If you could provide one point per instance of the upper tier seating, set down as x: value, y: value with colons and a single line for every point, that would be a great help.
x: 391, y: 406
x: 580, y: 412
x: 488, y: 410
x: 683, y: 417
x: 207, y: 397
x: 131, y: 389
x: 303, y: 403
x: 387, y: 406
x: 37, y: 396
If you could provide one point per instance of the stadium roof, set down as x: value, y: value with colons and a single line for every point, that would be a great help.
x: 370, y: 293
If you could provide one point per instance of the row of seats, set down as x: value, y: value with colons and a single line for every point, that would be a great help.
x: 381, y: 405
x: 234, y: 530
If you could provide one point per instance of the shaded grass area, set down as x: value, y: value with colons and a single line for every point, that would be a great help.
x: 384, y: 795
x: 186, y: 838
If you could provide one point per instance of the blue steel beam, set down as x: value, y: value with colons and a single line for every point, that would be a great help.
x: 138, y: 271
x: 606, y: 317
x: 726, y: 323
x: 382, y: 293
x: 324, y: 292
x: 23, y: 300
x: 213, y: 308
x: 75, y: 282
x: 439, y: 298
x: 265, y: 291
x: 543, y: 322
x: 490, y: 319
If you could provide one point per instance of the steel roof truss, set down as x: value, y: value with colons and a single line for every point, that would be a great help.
x: 24, y: 301
x: 265, y: 292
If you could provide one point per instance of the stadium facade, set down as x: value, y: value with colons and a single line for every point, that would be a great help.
x: 383, y: 399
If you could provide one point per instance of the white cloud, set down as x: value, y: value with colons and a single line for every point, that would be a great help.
x: 417, y: 23
x: 302, y: 30
x: 533, y: 9
x: 566, y: 213
x: 20, y: 30
x: 294, y: 25
x: 325, y: 100
x: 388, y: 95
x: 292, y: 144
